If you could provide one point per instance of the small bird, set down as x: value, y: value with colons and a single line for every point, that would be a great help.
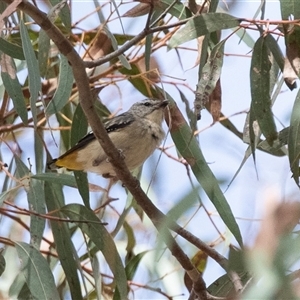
x: 135, y: 133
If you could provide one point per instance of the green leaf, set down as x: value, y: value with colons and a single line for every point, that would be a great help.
x: 202, y: 25
x: 63, y: 179
x: 35, y: 269
x: 79, y: 125
x: 211, y: 73
x: 78, y: 131
x: 63, y: 12
x: 13, y: 86
x: 223, y: 286
x: 11, y: 49
x: 133, y: 264
x: 275, y: 49
x: 44, y: 48
x: 62, y: 238
x: 39, y: 150
x: 21, y: 170
x: 83, y: 187
x: 294, y: 139
x: 260, y: 91
x: 188, y: 147
x: 102, y: 239
x: 36, y: 201
x: 63, y: 92
x: 213, y: 5
x: 178, y: 10
x: 290, y: 8
x: 34, y: 78
x: 2, y: 264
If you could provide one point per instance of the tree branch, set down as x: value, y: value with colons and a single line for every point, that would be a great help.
x: 101, y: 135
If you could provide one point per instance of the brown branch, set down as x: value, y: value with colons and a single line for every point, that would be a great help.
x: 100, y: 133
x: 132, y: 42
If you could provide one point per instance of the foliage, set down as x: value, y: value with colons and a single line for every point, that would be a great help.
x: 54, y: 71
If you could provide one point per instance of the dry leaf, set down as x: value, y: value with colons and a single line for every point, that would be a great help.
x: 153, y: 73
x: 137, y: 11
x: 6, y: 66
x: 99, y: 47
x: 215, y: 102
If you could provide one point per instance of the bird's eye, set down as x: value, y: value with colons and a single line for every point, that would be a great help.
x: 147, y: 104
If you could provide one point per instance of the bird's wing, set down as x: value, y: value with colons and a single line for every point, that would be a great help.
x: 111, y: 125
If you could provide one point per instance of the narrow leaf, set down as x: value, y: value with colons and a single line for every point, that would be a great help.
x: 210, y: 75
x: 189, y: 149
x: 294, y: 139
x: 202, y: 25
x: 44, y: 47
x: 34, y: 78
x: 260, y: 90
x: 13, y: 86
x: 2, y: 264
x: 63, y: 179
x: 36, y: 201
x: 11, y: 49
x: 102, y: 239
x: 290, y: 8
x: 78, y: 131
x: 61, y: 8
x: 62, y: 238
x: 178, y: 10
x: 133, y: 264
x: 63, y: 92
x: 39, y: 277
x: 276, y: 51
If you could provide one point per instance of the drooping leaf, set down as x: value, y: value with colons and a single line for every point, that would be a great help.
x: 290, y: 8
x: 294, y: 139
x: 78, y: 131
x: 102, y: 239
x: 62, y: 238
x: 34, y: 78
x: 260, y: 91
x: 63, y: 92
x: 177, y: 9
x: 62, y: 9
x: 39, y: 151
x: 2, y: 264
x: 275, y: 49
x: 35, y: 269
x: 132, y: 265
x: 11, y: 49
x: 209, y: 77
x: 202, y: 25
x: 44, y: 48
x: 188, y: 147
x: 13, y: 86
x: 36, y: 201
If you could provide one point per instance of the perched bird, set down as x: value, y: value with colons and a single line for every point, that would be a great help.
x: 135, y: 133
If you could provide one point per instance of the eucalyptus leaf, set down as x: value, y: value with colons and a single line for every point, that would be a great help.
x: 202, y: 25
x: 33, y: 70
x: 35, y: 269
